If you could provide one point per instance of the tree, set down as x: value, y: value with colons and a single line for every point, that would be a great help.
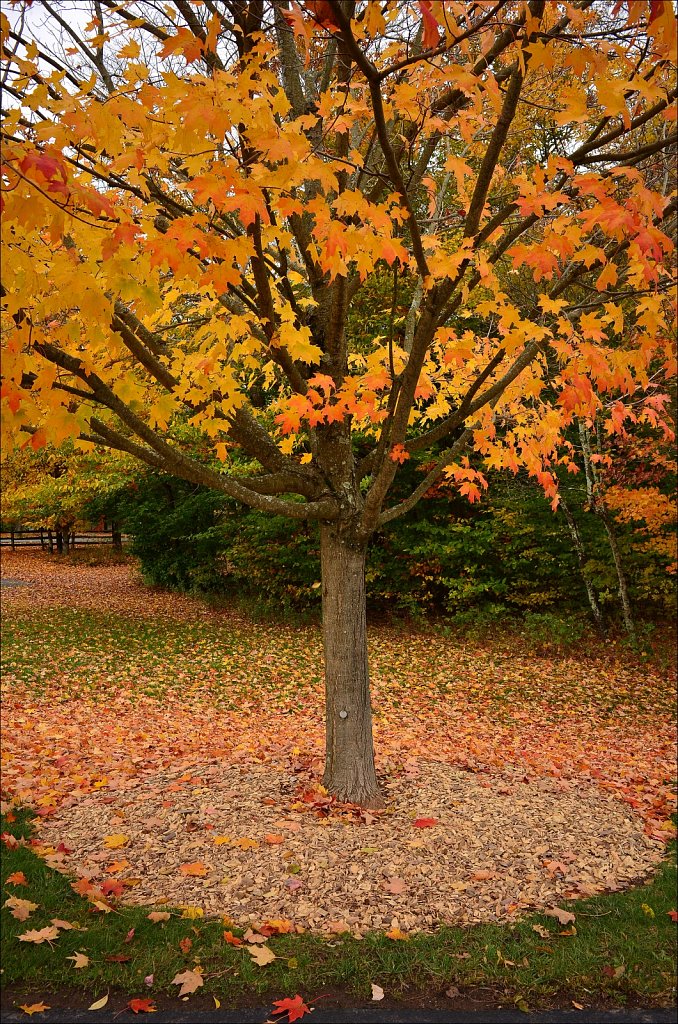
x: 197, y: 194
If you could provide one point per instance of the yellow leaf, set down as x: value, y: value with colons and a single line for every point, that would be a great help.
x: 191, y: 913
x: 261, y: 955
x: 115, y: 841
x: 100, y: 1003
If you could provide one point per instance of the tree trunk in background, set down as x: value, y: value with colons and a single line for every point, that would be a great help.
x: 581, y: 559
x: 621, y: 576
x: 59, y: 541
x: 349, y: 759
x: 116, y: 536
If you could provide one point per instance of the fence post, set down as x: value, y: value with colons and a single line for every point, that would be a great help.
x: 50, y: 542
x: 42, y: 540
x: 11, y: 538
x: 59, y: 541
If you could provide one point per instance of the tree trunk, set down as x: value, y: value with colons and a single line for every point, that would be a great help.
x: 621, y: 576
x: 116, y: 536
x: 59, y: 541
x: 581, y: 559
x: 349, y: 758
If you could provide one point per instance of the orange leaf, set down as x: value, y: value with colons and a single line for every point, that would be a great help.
x: 232, y: 939
x: 34, y: 1008
x: 17, y: 878
x: 424, y: 822
x: 397, y: 935
x: 431, y: 36
x: 197, y: 869
x: 274, y: 840
x: 142, y: 1006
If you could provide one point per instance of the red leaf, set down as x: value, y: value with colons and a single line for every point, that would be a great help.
x: 431, y: 33
x: 656, y: 8
x: 673, y: 914
x: 142, y: 1006
x: 294, y: 1008
x: 425, y: 822
x: 324, y: 12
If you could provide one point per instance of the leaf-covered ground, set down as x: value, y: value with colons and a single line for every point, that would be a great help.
x: 114, y: 692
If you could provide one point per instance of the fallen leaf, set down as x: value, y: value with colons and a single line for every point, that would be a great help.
x: 43, y: 935
x: 245, y: 843
x: 34, y: 1008
x: 220, y: 840
x: 396, y: 934
x: 577, y: 1006
x: 79, y: 960
x: 295, y: 1008
x: 191, y: 913
x: 158, y: 915
x: 148, y: 980
x: 274, y: 840
x: 117, y: 865
x: 647, y: 910
x: 142, y: 1006
x: 673, y: 914
x: 424, y: 822
x: 251, y: 936
x: 197, y: 869
x: 217, y: 1002
x: 232, y: 939
x: 115, y: 841
x: 540, y: 930
x: 185, y: 945
x: 563, y: 916
x: 67, y: 926
x: 377, y: 993
x: 20, y: 909
x: 261, y: 955
x: 189, y: 981
x: 99, y: 1004
x: 16, y: 878
x: 396, y: 885
x: 118, y: 958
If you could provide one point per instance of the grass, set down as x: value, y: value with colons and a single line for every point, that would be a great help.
x: 624, y: 949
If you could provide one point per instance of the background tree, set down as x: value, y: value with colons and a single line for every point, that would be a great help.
x: 195, y: 197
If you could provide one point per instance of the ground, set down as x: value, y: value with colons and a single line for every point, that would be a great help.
x: 173, y: 752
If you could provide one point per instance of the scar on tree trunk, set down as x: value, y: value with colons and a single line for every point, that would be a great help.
x: 349, y: 758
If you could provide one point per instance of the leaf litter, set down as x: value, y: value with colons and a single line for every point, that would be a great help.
x: 528, y: 781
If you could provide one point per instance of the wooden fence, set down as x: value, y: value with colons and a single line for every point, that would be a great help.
x: 59, y: 539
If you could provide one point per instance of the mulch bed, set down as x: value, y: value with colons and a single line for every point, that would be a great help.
x: 500, y: 847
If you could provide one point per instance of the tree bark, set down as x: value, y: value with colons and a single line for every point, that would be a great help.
x: 581, y: 560
x: 349, y: 758
x: 621, y: 576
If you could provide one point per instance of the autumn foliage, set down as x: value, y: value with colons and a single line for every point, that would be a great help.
x: 193, y: 206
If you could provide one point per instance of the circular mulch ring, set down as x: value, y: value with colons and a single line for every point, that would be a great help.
x: 500, y: 847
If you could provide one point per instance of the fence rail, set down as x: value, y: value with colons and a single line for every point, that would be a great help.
x: 48, y: 539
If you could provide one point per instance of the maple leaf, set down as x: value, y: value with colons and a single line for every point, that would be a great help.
x: 16, y: 878
x: 183, y: 42
x: 189, y: 981
x: 396, y: 935
x: 562, y: 916
x: 191, y: 913
x: 398, y: 453
x: 197, y: 869
x: 142, y: 1006
x: 673, y: 914
x: 20, y: 909
x: 34, y: 1008
x: 79, y: 960
x: 431, y: 35
x: 114, y: 842
x: 274, y: 840
x: 294, y: 1007
x: 158, y: 915
x: 47, y: 934
x: 424, y: 822
x: 185, y: 945
x: 261, y: 955
x: 232, y: 939
x: 396, y: 885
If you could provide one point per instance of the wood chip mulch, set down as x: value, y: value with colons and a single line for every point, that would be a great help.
x: 500, y: 847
